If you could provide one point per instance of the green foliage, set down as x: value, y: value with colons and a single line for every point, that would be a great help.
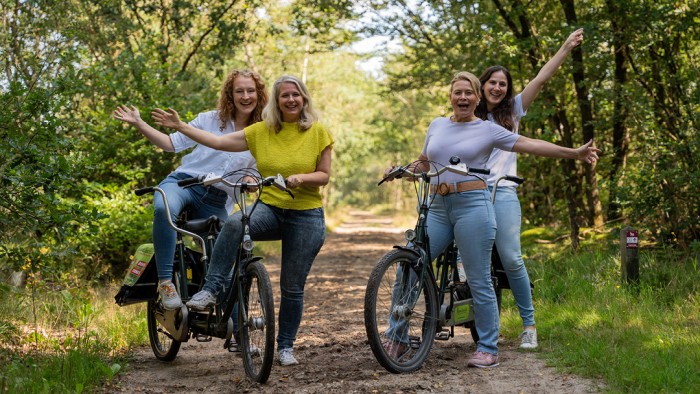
x: 72, y: 341
x: 638, y: 339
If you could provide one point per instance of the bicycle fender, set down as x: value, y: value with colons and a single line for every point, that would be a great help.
x: 408, y: 249
x: 250, y: 260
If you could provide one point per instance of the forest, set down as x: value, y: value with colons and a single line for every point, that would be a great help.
x: 378, y: 72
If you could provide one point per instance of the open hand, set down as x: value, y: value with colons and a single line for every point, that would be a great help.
x: 127, y: 114
x: 169, y: 118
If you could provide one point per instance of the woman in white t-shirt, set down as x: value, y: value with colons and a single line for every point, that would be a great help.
x: 498, y: 105
x: 243, y: 96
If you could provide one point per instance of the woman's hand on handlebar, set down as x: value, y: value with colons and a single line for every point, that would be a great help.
x: 250, y: 180
x: 294, y: 181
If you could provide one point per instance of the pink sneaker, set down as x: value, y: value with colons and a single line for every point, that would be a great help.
x: 483, y: 360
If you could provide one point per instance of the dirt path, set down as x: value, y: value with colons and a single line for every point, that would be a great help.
x: 332, y: 345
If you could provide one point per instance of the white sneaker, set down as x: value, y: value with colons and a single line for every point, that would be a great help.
x: 286, y: 357
x: 528, y: 339
x: 201, y: 301
x: 168, y: 295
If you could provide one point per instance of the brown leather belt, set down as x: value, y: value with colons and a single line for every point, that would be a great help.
x: 444, y: 189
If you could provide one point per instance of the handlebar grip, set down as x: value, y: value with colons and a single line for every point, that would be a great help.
x: 393, y: 174
x: 480, y: 170
x: 188, y: 181
x: 144, y: 190
x: 515, y: 179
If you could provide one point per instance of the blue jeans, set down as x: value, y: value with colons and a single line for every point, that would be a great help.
x: 508, y: 217
x: 302, y: 234
x: 204, y: 202
x: 468, y: 218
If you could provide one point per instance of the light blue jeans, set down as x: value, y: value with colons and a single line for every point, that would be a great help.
x: 468, y: 218
x: 203, y: 201
x: 508, y: 218
x: 302, y: 233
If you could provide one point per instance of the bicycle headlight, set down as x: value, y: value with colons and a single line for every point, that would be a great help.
x: 247, y: 243
x: 410, y: 235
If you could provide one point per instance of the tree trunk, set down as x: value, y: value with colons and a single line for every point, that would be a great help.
x: 619, y: 132
x: 595, y: 208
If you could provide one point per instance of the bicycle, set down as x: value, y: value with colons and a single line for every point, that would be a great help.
x: 423, y: 296
x: 248, y: 293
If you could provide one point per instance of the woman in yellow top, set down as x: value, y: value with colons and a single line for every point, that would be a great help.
x: 291, y: 142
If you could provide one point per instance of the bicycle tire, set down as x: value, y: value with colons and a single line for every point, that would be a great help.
x: 420, y: 319
x: 165, y: 348
x: 257, y: 329
x: 472, y: 327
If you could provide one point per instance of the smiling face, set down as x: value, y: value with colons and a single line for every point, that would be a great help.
x: 245, y: 95
x: 464, y: 99
x: 495, y: 89
x: 290, y: 102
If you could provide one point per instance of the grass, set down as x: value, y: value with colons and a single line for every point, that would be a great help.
x: 64, y: 340
x: 643, y: 338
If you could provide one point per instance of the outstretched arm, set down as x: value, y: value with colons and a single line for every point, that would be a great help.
x: 587, y: 152
x: 132, y: 116
x: 233, y: 142
x: 529, y: 94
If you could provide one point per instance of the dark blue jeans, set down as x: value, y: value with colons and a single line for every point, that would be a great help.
x: 302, y: 234
x: 204, y: 203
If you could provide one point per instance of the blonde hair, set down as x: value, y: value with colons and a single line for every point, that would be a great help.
x: 469, y: 77
x: 226, y: 104
x: 272, y: 114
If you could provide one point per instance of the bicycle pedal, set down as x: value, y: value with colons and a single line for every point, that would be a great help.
x: 203, y: 338
x: 443, y: 335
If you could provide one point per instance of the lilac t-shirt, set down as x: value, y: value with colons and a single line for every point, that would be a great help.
x: 472, y: 142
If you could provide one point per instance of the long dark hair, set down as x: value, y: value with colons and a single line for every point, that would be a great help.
x: 503, y: 112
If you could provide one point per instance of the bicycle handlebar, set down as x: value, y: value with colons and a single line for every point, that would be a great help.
x: 513, y: 178
x: 190, y: 181
x: 144, y: 190
x: 458, y: 168
x: 207, y: 180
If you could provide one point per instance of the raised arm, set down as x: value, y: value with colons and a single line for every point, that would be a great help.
x: 233, y: 142
x: 529, y: 94
x: 132, y: 116
x: 587, y: 152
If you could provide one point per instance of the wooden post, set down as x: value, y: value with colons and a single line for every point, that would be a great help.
x: 629, y: 259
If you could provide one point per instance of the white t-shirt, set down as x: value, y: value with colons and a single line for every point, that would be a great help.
x: 472, y: 142
x: 503, y: 162
x: 204, y: 160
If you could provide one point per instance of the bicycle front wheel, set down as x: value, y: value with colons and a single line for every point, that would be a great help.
x: 401, y: 315
x: 257, y: 323
x: 164, y: 347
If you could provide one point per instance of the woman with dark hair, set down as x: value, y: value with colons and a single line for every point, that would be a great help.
x: 289, y: 141
x: 240, y: 104
x: 499, y: 106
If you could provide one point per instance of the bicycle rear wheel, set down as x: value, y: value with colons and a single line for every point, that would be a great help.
x: 401, y: 317
x: 164, y: 347
x: 256, y: 322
